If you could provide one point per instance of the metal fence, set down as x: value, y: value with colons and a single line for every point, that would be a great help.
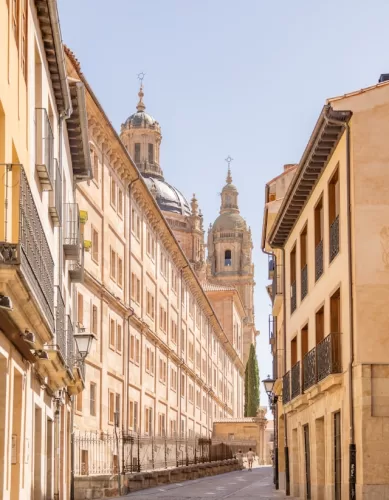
x: 100, y: 453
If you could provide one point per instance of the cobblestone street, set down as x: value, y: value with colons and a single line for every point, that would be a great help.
x: 235, y: 485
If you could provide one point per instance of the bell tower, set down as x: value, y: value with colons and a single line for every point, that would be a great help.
x: 229, y: 259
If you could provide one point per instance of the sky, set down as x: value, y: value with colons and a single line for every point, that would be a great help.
x: 242, y: 78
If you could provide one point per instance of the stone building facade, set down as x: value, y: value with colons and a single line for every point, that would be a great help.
x: 43, y: 154
x: 164, y: 361
x: 331, y: 228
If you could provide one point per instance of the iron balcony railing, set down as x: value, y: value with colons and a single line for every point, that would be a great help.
x: 296, y: 380
x: 60, y: 331
x: 69, y: 342
x: 272, y: 328
x: 271, y: 266
x: 276, y: 288
x: 304, y: 282
x: 24, y: 244
x: 55, y: 201
x: 293, y: 298
x: 328, y: 356
x: 286, y: 388
x: 319, y: 260
x: 309, y: 369
x: 44, y: 149
x: 71, y: 231
x: 334, y: 238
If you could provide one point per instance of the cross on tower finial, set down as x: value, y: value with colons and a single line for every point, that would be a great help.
x: 141, y: 105
x: 229, y: 177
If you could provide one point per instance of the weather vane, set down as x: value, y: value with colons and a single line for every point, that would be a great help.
x: 229, y: 160
x: 141, y: 76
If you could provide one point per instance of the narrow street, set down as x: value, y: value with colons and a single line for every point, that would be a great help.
x: 237, y: 485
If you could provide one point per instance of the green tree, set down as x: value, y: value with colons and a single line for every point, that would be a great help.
x: 251, y: 385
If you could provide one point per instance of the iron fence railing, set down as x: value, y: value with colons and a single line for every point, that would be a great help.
x: 99, y: 453
x: 55, y: 200
x: 318, y: 260
x: 71, y: 226
x: 60, y: 330
x: 329, y: 356
x: 276, y: 288
x: 309, y: 369
x: 272, y: 328
x: 286, y: 388
x: 293, y: 298
x: 334, y: 238
x: 31, y: 251
x: 296, y: 380
x: 70, y: 358
x: 304, y: 282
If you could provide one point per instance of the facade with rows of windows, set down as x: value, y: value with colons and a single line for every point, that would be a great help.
x: 169, y: 355
x: 329, y: 236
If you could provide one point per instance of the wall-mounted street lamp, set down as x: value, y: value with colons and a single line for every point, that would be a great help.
x: 84, y: 344
x: 269, y: 384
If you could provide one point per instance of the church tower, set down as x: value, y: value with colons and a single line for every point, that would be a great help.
x: 230, y: 256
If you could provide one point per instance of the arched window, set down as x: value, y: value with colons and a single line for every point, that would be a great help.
x: 227, y: 258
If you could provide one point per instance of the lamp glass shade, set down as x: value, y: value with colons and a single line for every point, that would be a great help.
x: 269, y: 384
x: 84, y: 343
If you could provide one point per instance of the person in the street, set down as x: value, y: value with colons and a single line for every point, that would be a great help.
x: 239, y: 456
x: 250, y: 458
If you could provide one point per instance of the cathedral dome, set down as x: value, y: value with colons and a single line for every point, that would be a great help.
x: 169, y: 199
x: 140, y: 119
x: 229, y: 221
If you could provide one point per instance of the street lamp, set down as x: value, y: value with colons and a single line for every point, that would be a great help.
x: 269, y: 384
x: 84, y: 344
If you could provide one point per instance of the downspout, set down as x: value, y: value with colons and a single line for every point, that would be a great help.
x: 286, y: 450
x: 352, y: 445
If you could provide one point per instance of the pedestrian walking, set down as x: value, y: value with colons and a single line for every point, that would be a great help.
x: 239, y: 456
x: 250, y: 458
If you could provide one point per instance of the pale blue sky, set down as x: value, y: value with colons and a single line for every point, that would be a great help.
x: 246, y: 79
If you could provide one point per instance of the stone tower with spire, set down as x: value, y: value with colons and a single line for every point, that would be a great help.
x: 141, y: 135
x: 229, y: 259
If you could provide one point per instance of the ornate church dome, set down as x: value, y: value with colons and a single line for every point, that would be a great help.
x: 229, y: 221
x: 169, y: 199
x: 140, y: 119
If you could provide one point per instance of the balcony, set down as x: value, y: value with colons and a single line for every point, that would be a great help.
x: 304, y: 282
x: 276, y: 289
x: 55, y: 199
x: 272, y: 329
x: 293, y: 298
x: 76, y: 385
x: 309, y: 369
x: 286, y: 388
x: 296, y: 382
x: 71, y: 231
x: 271, y: 266
x: 44, y: 149
x: 328, y: 356
x: 76, y: 267
x: 334, y: 238
x: 24, y: 250
x: 318, y: 260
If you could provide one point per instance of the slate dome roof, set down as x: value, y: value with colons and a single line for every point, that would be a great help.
x: 139, y: 119
x: 229, y: 221
x: 169, y: 199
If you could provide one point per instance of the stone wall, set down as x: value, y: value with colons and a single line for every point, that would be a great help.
x: 90, y: 487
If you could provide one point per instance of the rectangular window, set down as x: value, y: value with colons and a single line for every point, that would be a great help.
x: 303, y: 263
x: 293, y: 299
x: 117, y: 409
x: 113, y: 193
x: 162, y: 319
x: 120, y: 202
x: 137, y: 351
x: 198, y: 359
x: 79, y: 402
x: 111, y: 407
x: 173, y: 428
x: 182, y: 340
x: 132, y: 348
x: 95, y: 245
x: 319, y: 226
x: 24, y: 38
x: 120, y: 272
x: 174, y: 281
x: 174, y: 332
x: 333, y: 214
x: 94, y: 320
x: 119, y: 338
x: 191, y: 351
x: 95, y: 165
x: 80, y: 309
x: 173, y: 379
x: 198, y: 398
x: 133, y: 220
x: 138, y: 227
x: 150, y: 304
x: 191, y: 393
x: 161, y: 424
x: 112, y: 334
x: 148, y: 420
x: 151, y: 153
x: 320, y: 325
x: 92, y: 393
x: 335, y: 312
x: 183, y: 385
x: 15, y: 20
x: 113, y: 265
x: 137, y: 152
x: 293, y: 351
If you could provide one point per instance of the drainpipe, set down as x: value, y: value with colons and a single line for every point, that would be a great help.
x: 276, y: 473
x: 57, y: 454
x: 286, y: 450
x: 352, y: 445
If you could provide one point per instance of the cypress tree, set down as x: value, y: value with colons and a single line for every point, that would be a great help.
x: 251, y: 386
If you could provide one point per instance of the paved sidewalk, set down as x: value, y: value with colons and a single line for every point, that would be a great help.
x: 238, y: 485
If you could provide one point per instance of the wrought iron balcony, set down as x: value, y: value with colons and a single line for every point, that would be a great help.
x: 296, y: 380
x: 309, y: 369
x: 328, y: 356
x: 44, y: 149
x: 71, y: 231
x: 276, y: 288
x: 69, y: 342
x: 60, y: 332
x: 318, y: 260
x: 55, y: 199
x: 304, y: 282
x: 272, y: 328
x: 286, y: 388
x: 271, y: 266
x: 293, y: 298
x: 76, y: 267
x: 334, y: 238
x: 23, y: 242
